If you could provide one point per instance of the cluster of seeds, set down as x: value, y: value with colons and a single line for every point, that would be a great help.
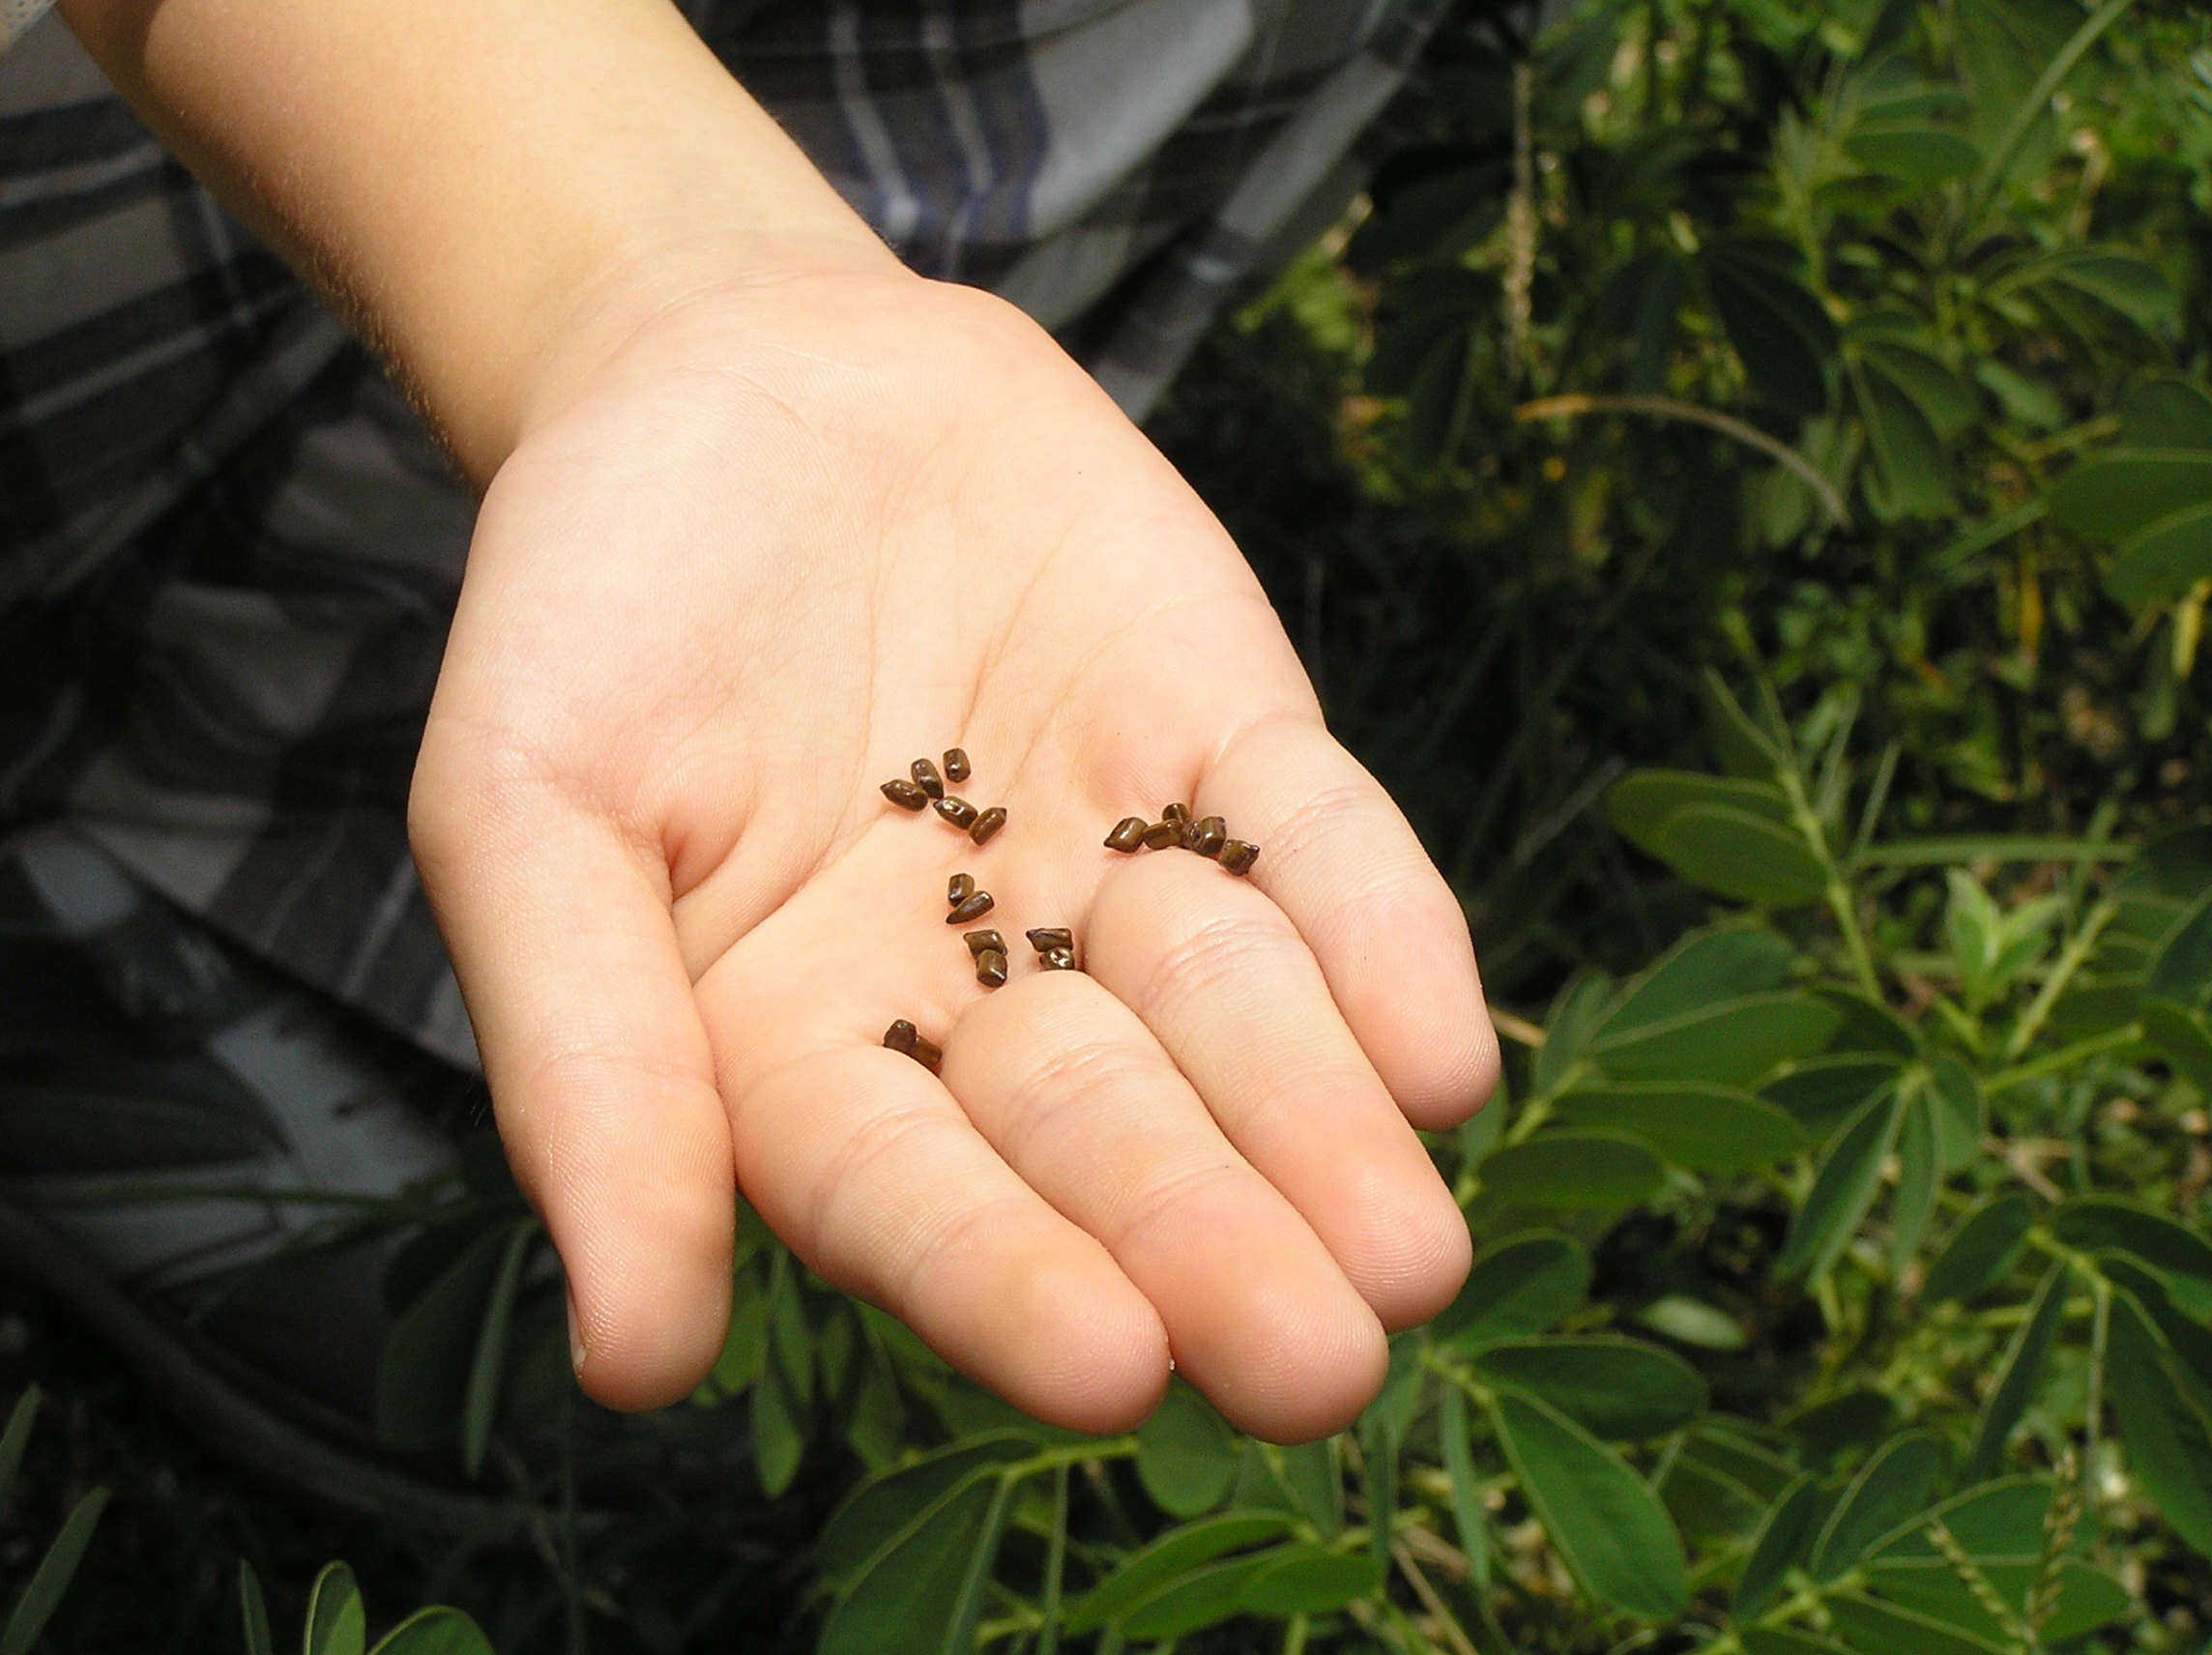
x: 1207, y: 835
x: 927, y: 788
x: 965, y: 901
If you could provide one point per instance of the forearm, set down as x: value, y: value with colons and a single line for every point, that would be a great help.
x: 497, y: 192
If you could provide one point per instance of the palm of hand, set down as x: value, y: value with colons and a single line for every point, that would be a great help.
x: 777, y: 549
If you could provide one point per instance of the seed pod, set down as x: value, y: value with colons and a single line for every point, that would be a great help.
x: 1209, y: 835
x: 926, y: 778
x: 1237, y: 856
x: 973, y: 906
x: 926, y: 1054
x: 1175, y: 813
x: 1161, y: 834
x: 990, y: 967
x: 984, y: 942
x: 959, y: 888
x: 987, y: 824
x: 1127, y: 836
x: 902, y: 1036
x: 957, y: 811
x: 905, y: 795
x: 955, y: 766
x: 1057, y: 959
x: 1051, y: 937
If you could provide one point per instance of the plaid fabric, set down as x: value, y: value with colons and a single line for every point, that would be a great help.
x: 228, y: 550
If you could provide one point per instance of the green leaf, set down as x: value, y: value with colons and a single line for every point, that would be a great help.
x: 2017, y: 1375
x: 1745, y: 857
x: 791, y: 1341
x: 13, y: 1441
x: 2183, y: 1036
x: 2138, y: 290
x: 1942, y: 399
x: 1691, y: 1322
x: 1744, y: 749
x: 2180, y: 1256
x: 875, y: 1511
x: 1784, y: 1539
x: 2181, y: 971
x: 1616, y: 1389
x: 1313, y: 1474
x: 1578, y: 1011
x: 2165, y: 410
x: 1169, y: 1559
x: 746, y: 1345
x: 437, y: 1630
x: 1844, y: 1188
x: 2166, y: 560
x: 1707, y: 1129
x: 1520, y: 1285
x: 1923, y: 155
x: 1604, y: 1521
x: 2124, y: 491
x: 1981, y: 1250
x: 1730, y: 1044
x: 42, y: 1594
x: 1780, y: 333
x: 1890, y: 1488
x: 1915, y: 472
x: 779, y: 1431
x: 1643, y: 802
x: 1468, y: 1514
x: 1820, y: 1093
x: 919, y: 1594
x: 487, y: 1369
x: 1309, y: 1581
x: 253, y: 1613
x: 1186, y: 1454
x: 1855, y: 1419
x: 1961, y: 1112
x: 1705, y: 970
x: 1935, y: 850
x: 1567, y: 1171
x: 422, y: 1380
x: 1781, y: 1641
x: 1876, y: 1628
x: 1202, y: 1599
x: 1919, y: 1176
x: 2162, y: 1423
x: 338, y: 1623
x: 2028, y: 401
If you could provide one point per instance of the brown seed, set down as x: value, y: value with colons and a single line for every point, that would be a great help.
x: 926, y: 778
x: 955, y: 765
x: 1057, y: 959
x: 1051, y: 937
x: 984, y: 943
x: 1209, y: 835
x: 902, y: 1036
x: 990, y: 967
x: 957, y: 811
x: 973, y: 906
x: 926, y: 1054
x: 987, y: 824
x: 1237, y: 856
x: 905, y: 795
x: 1175, y: 813
x: 1127, y: 836
x: 959, y: 888
x: 1161, y: 834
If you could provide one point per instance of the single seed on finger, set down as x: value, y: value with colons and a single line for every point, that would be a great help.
x: 1051, y: 937
x: 957, y: 811
x: 1175, y: 813
x: 987, y: 824
x: 984, y: 942
x: 955, y: 765
x: 959, y: 888
x: 926, y: 1054
x: 905, y: 795
x: 1057, y: 959
x: 990, y: 967
x: 973, y: 906
x: 1161, y: 834
x: 1128, y: 834
x: 902, y: 1036
x: 1207, y: 835
x: 1237, y: 856
x: 926, y: 778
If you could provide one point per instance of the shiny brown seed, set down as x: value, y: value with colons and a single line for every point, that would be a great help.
x: 955, y: 765
x: 926, y: 1054
x: 959, y: 888
x: 973, y: 906
x: 984, y: 943
x: 957, y: 811
x: 905, y: 795
x: 1057, y: 959
x: 1161, y: 834
x: 987, y: 824
x: 990, y: 967
x: 1237, y: 856
x: 902, y: 1036
x: 1207, y: 835
x: 1175, y: 813
x: 1128, y: 834
x: 926, y: 778
x: 1051, y: 937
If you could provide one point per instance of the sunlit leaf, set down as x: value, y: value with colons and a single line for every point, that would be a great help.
x: 1728, y: 1044
x: 1186, y: 1454
x: 1981, y: 1250
x: 1707, y: 1129
x: 1309, y: 1581
x: 1737, y: 855
x: 1565, y: 1170
x: 1520, y: 1285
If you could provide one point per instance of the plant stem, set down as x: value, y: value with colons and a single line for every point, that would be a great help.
x: 1055, y: 1563
x: 1670, y: 408
x: 2039, y: 98
x: 1294, y: 1635
x: 2071, y: 959
x: 2065, y: 1058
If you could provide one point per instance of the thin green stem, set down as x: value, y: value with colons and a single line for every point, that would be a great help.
x: 2062, y: 1059
x: 1294, y: 1635
x: 2071, y: 959
x: 2039, y: 98
x: 1055, y: 1564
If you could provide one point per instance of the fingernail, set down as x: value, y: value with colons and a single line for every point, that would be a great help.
x: 577, y: 1352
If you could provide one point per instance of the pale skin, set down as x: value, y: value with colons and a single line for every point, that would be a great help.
x: 764, y: 518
